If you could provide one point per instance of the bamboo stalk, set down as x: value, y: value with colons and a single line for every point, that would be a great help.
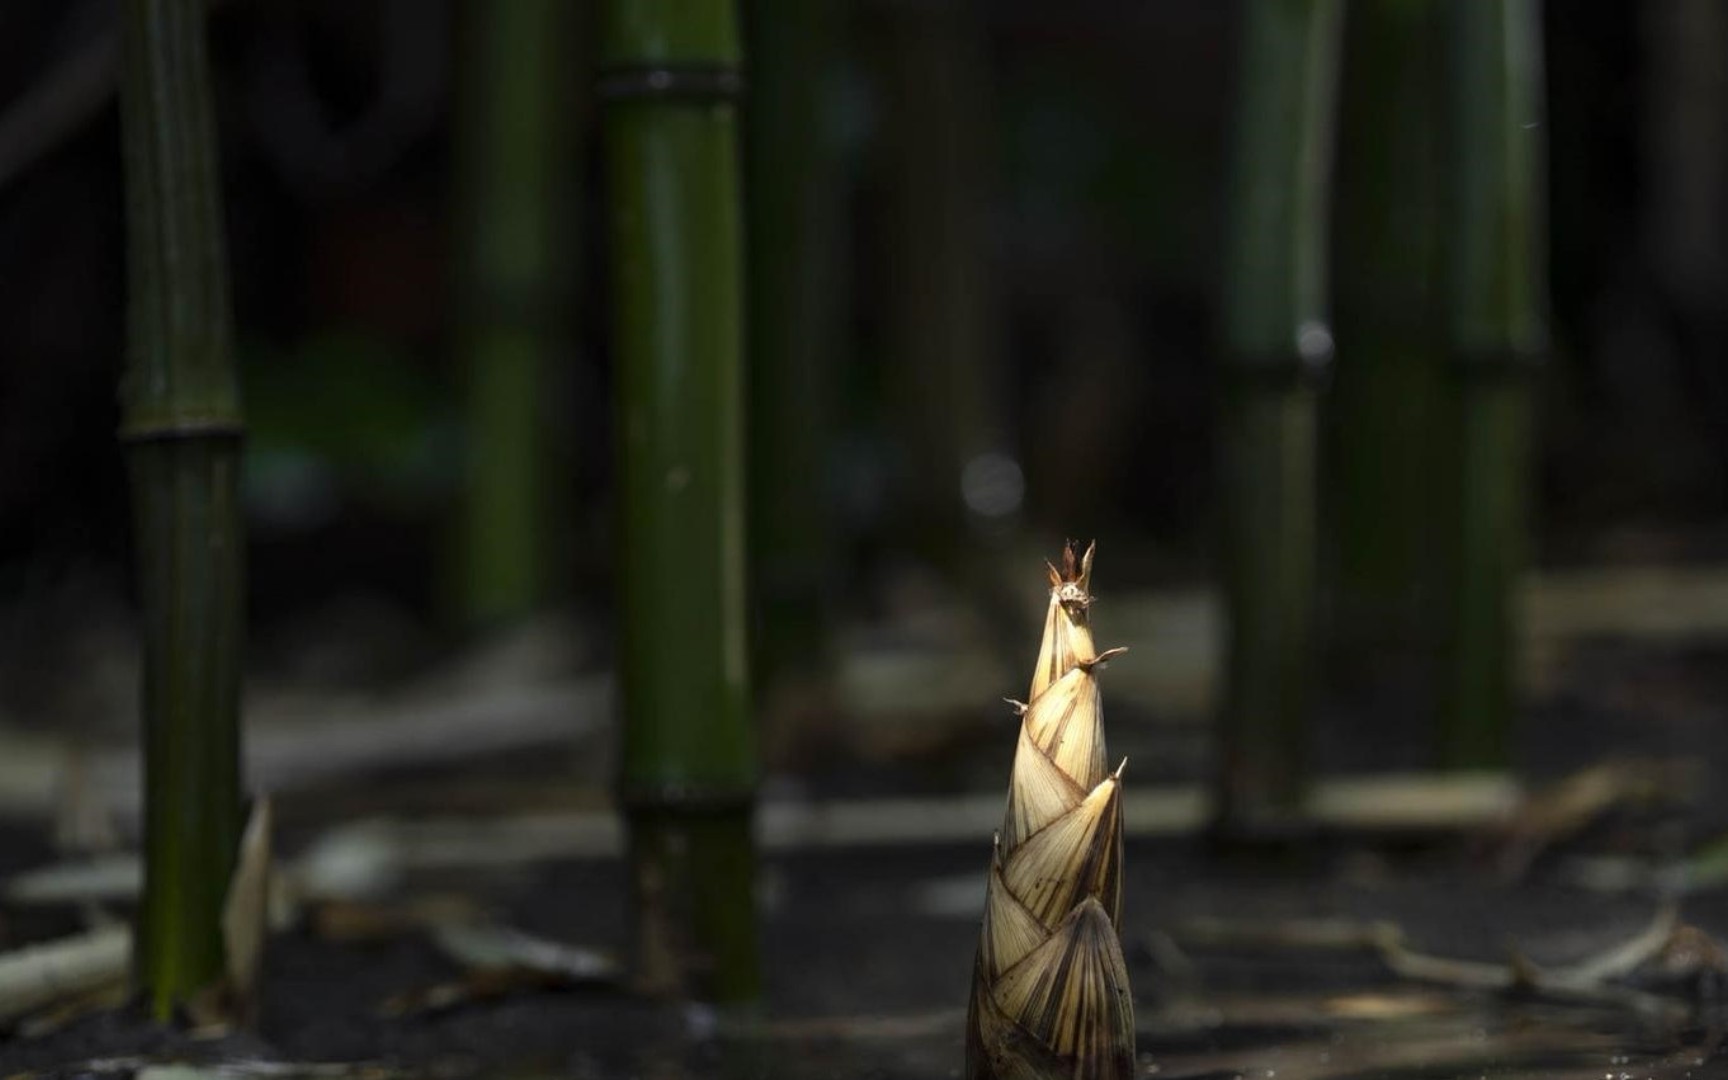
x: 793, y: 189
x: 940, y: 390
x: 1277, y: 342
x: 514, y: 134
x: 1497, y: 318
x: 1388, y: 396
x: 1050, y: 993
x: 181, y: 420
x: 689, y: 768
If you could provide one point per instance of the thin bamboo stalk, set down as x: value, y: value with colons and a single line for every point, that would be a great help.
x: 181, y: 421
x: 1277, y: 341
x: 1269, y: 487
x: 793, y: 190
x: 1387, y: 399
x: 513, y: 155
x: 689, y: 768
x: 937, y: 347
x: 1497, y: 313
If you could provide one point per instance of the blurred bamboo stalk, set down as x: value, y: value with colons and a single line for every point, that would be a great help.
x: 1497, y: 314
x: 514, y: 138
x: 943, y: 402
x: 1278, y: 342
x: 670, y: 82
x: 1387, y: 397
x: 182, y: 423
x: 793, y: 187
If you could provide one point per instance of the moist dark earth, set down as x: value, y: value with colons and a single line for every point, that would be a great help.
x: 867, y: 951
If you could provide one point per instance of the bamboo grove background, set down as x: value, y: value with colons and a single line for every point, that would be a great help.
x: 1083, y: 160
x: 963, y: 278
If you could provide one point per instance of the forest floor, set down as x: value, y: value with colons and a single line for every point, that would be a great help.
x: 1241, y: 967
x: 1563, y: 923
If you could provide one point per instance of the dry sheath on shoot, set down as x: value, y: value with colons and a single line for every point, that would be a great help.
x: 1050, y: 995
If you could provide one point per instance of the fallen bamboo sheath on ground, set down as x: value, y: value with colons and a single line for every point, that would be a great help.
x: 1050, y: 994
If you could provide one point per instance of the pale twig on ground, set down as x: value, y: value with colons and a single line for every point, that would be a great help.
x: 498, y: 961
x: 289, y: 751
x: 1587, y: 981
x: 370, y: 856
x: 38, y: 976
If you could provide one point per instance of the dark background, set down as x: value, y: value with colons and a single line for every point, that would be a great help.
x: 1095, y: 158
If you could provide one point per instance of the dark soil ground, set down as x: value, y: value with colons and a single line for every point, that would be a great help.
x: 868, y: 954
x: 868, y: 951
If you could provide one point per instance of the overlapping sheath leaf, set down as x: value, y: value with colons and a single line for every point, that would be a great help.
x: 1050, y: 995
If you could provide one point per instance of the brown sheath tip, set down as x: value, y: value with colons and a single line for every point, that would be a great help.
x: 1102, y: 658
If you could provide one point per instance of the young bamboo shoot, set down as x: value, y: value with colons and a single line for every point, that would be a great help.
x: 1050, y: 994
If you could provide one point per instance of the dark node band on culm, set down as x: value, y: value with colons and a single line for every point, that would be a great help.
x: 1502, y: 361
x: 168, y: 430
x: 1283, y: 369
x: 684, y: 82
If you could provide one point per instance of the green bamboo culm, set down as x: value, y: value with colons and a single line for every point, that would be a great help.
x: 1387, y: 398
x: 514, y: 140
x: 670, y: 83
x: 941, y: 394
x: 793, y: 188
x: 182, y: 423
x: 1497, y: 311
x: 1277, y: 342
